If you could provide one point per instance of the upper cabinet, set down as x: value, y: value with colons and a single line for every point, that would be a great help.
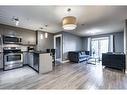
x: 7, y: 31
x: 28, y: 36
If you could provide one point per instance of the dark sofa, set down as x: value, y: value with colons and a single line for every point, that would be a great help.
x: 114, y: 60
x: 78, y: 56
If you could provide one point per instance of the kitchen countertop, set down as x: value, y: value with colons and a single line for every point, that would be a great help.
x: 37, y: 52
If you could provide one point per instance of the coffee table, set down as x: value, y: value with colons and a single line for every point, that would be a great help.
x: 93, y: 60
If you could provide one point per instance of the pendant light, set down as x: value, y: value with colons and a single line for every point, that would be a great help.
x: 41, y: 36
x: 16, y: 20
x: 69, y: 22
x: 46, y: 34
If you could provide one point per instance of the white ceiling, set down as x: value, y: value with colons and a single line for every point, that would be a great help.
x: 91, y: 20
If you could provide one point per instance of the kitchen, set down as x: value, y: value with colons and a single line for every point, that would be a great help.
x: 21, y: 47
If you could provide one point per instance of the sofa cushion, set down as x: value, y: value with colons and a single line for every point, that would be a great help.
x: 83, y: 53
x: 83, y: 56
x: 87, y: 53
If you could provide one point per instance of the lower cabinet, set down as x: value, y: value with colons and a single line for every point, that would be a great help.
x: 33, y: 60
x: 40, y: 62
x: 1, y: 60
x: 30, y: 59
x: 25, y: 58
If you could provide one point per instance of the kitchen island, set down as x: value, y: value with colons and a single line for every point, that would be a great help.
x: 40, y: 61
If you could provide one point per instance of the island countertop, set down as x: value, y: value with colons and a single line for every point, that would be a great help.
x: 37, y: 52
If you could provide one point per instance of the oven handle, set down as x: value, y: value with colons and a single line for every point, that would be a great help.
x: 5, y: 56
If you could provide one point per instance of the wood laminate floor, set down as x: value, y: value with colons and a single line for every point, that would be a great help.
x: 65, y: 76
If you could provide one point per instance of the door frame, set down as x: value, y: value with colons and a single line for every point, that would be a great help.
x: 55, y: 36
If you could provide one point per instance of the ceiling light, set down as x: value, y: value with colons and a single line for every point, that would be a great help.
x: 16, y: 21
x: 69, y: 22
x: 41, y: 28
x: 46, y: 35
x: 41, y: 36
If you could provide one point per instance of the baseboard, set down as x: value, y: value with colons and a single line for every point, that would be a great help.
x: 65, y: 61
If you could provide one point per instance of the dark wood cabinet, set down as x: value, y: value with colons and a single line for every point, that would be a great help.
x: 25, y: 58
x: 1, y: 60
x: 114, y: 60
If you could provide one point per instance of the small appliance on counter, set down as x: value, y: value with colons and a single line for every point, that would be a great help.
x: 30, y: 49
x: 12, y: 58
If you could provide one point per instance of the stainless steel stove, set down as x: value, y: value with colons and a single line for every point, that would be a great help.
x: 13, y: 57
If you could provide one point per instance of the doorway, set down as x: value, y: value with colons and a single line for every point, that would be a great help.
x: 58, y: 47
x: 99, y: 46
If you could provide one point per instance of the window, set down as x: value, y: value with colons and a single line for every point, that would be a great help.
x: 99, y: 46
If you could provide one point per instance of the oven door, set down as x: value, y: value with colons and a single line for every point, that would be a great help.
x: 13, y: 58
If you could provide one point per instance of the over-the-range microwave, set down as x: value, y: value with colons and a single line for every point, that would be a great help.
x: 10, y: 39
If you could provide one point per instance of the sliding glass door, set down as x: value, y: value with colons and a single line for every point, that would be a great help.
x: 99, y: 46
x: 95, y: 48
x: 103, y: 47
